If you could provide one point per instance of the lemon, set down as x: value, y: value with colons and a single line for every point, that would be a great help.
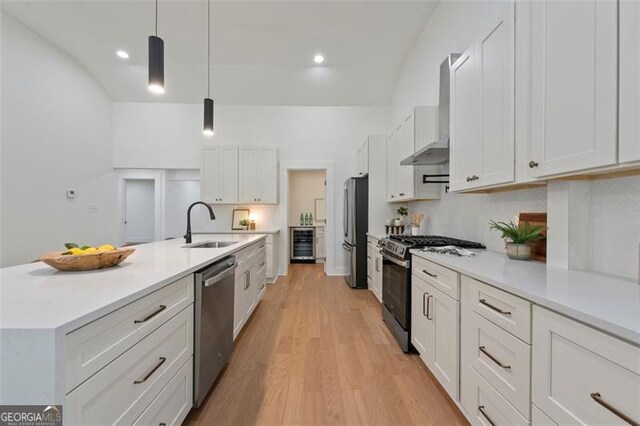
x: 90, y: 250
x: 106, y: 247
x: 76, y: 251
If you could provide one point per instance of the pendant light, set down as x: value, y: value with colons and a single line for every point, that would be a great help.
x: 156, y: 61
x: 208, y: 102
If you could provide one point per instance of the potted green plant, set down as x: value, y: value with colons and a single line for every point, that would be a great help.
x: 402, y: 212
x: 244, y: 223
x: 518, y: 237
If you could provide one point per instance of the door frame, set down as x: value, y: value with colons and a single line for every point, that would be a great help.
x: 329, y: 228
x: 158, y: 178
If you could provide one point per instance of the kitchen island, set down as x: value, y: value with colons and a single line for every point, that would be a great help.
x: 40, y: 308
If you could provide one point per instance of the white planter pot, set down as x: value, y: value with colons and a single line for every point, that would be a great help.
x: 518, y: 251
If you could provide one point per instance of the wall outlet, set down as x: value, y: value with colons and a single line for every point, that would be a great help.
x: 71, y: 193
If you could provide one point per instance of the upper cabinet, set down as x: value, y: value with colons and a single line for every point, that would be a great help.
x: 482, y: 108
x: 363, y: 159
x: 233, y: 175
x: 629, y: 132
x: 259, y: 175
x: 219, y: 175
x: 573, y: 84
x: 404, y: 183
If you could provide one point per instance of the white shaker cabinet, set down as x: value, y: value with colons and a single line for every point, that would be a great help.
x: 482, y: 108
x: 363, y: 159
x: 573, y: 85
x: 219, y: 175
x: 320, y: 244
x: 435, y: 331
x: 393, y: 164
x: 629, y: 131
x: 258, y: 175
x: 581, y: 375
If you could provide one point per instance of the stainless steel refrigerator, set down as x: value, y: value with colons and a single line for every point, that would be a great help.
x: 355, y: 226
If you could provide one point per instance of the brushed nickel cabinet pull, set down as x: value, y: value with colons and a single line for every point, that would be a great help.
x: 377, y: 264
x: 493, y: 358
x: 429, y: 297
x: 495, y: 308
x: 162, y: 424
x: 430, y: 274
x: 402, y: 194
x: 150, y: 373
x: 424, y: 305
x: 533, y: 164
x: 484, y: 413
x: 151, y: 315
x: 598, y: 398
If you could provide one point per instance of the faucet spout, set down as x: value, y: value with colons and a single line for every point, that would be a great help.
x: 187, y: 236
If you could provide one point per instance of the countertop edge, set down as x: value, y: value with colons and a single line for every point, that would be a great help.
x: 597, y: 322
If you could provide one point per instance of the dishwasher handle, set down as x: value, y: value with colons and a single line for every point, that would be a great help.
x: 222, y: 275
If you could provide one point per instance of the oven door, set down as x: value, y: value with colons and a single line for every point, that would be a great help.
x: 396, y: 275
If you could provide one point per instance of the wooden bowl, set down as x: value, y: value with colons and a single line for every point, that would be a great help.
x: 87, y: 262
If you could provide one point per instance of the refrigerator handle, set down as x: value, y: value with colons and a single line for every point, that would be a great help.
x: 346, y: 211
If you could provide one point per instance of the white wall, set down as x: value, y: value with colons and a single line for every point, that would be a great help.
x: 305, y: 186
x: 169, y: 136
x: 56, y: 134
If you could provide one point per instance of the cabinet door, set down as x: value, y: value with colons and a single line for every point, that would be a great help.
x: 495, y: 80
x: 463, y: 130
x: 406, y: 148
x: 228, y: 170
x: 629, y: 81
x: 442, y: 338
x: 211, y: 185
x: 392, y: 167
x: 248, y: 175
x: 573, y: 85
x: 239, y: 314
x: 377, y: 273
x: 268, y: 175
x: 420, y: 336
x: 320, y: 243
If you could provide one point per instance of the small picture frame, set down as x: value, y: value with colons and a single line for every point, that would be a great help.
x: 240, y: 215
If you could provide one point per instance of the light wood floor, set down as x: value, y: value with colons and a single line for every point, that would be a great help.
x: 316, y: 352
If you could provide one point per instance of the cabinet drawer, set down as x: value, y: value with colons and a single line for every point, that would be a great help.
x: 174, y: 402
x: 121, y: 391
x: 500, y: 358
x: 484, y: 405
x: 443, y: 279
x: 503, y: 309
x: 581, y: 375
x: 93, y: 346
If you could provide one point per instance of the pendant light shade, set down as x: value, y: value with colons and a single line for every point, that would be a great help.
x: 208, y: 117
x: 156, y: 64
x: 156, y: 60
x: 208, y: 102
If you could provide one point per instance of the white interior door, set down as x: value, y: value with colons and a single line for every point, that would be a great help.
x: 139, y: 219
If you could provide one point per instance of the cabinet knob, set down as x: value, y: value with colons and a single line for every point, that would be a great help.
x: 474, y: 177
x: 393, y: 196
x: 533, y: 164
x: 402, y: 194
x: 468, y: 179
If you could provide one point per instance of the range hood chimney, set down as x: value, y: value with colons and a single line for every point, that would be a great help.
x: 437, y: 152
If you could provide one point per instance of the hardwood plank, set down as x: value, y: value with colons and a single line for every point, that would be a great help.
x: 316, y: 352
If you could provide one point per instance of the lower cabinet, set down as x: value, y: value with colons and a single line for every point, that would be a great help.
x: 374, y: 267
x: 122, y: 391
x: 434, y: 332
x: 581, y: 375
x: 250, y: 283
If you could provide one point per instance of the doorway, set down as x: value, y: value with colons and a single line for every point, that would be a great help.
x: 139, y: 211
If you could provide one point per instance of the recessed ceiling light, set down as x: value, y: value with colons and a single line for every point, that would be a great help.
x: 318, y: 59
x: 122, y: 54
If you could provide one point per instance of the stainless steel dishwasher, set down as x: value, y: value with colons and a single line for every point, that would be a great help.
x: 213, y: 340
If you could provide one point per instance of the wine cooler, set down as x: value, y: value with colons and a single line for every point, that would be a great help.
x: 302, y: 244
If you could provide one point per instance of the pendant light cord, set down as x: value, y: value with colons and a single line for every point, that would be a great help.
x: 208, y: 48
x: 156, y: 18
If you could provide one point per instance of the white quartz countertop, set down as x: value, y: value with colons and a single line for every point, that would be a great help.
x: 608, y: 303
x: 36, y: 296
x: 257, y: 231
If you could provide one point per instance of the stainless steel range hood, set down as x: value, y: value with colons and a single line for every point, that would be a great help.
x: 437, y: 152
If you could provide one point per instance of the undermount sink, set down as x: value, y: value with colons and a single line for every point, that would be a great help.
x: 212, y: 244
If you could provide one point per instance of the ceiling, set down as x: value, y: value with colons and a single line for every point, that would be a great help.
x: 262, y: 51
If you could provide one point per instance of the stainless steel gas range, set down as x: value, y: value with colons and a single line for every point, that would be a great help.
x: 396, y: 278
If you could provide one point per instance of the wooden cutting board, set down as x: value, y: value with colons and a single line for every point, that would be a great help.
x: 538, y: 248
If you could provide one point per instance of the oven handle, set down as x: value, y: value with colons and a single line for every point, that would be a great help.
x: 404, y: 264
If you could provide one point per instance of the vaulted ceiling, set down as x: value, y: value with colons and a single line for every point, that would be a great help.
x: 262, y: 51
